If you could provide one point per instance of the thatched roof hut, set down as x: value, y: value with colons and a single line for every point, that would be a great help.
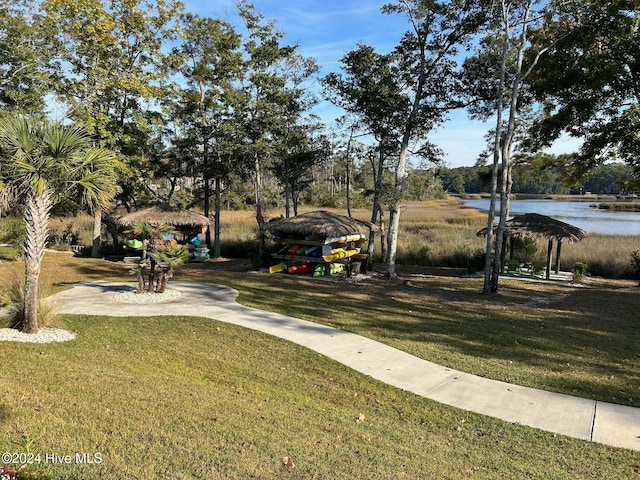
x: 322, y: 223
x: 164, y: 213
x: 534, y: 225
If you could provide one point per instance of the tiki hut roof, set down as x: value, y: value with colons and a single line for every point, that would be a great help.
x: 534, y: 225
x: 164, y: 213
x: 323, y: 223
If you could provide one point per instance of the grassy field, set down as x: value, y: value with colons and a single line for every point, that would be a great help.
x: 183, y: 397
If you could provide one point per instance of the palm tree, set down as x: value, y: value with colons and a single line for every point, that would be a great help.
x: 47, y: 162
x: 169, y: 256
x: 152, y: 234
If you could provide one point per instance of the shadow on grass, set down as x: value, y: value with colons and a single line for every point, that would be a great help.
x: 581, y: 342
x: 5, y: 412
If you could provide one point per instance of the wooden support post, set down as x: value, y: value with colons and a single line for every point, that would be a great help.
x: 558, y: 255
x: 549, y: 253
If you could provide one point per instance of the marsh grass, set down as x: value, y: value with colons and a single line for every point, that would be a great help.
x: 621, y: 206
x: 62, y: 228
x: 605, y: 255
x: 432, y: 233
x: 438, y: 233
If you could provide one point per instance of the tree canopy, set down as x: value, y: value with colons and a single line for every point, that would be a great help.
x: 588, y: 83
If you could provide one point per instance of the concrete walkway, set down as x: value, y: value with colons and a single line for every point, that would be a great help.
x: 590, y: 420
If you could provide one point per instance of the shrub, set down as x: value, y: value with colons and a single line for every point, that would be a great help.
x: 476, y: 261
x: 579, y: 272
x: 525, y: 249
x: 13, y: 297
x: 13, y: 231
x: 635, y: 264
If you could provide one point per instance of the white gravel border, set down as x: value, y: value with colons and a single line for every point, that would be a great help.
x: 146, y: 298
x: 44, y: 335
x: 49, y: 335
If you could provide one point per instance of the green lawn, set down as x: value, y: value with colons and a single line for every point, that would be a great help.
x: 182, y: 398
x: 579, y: 340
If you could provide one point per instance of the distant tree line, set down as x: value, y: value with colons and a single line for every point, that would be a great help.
x: 609, y: 179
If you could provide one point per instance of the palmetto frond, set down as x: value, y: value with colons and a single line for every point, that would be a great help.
x: 149, y: 230
x: 58, y: 158
x: 62, y: 141
x: 93, y: 175
x: 19, y: 134
x: 172, y: 255
x: 8, y: 196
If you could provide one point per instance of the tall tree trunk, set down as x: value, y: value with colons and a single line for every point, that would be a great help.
x: 296, y: 202
x: 36, y: 217
x: 348, y: 172
x: 505, y: 193
x: 507, y: 141
x: 489, y: 258
x: 97, y: 232
x: 401, y: 174
x: 394, y: 214
x: 287, y: 191
x: 207, y: 188
x: 259, y: 214
x: 383, y: 245
x: 216, y: 220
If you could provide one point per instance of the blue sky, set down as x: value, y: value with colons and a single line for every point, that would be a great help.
x: 327, y: 29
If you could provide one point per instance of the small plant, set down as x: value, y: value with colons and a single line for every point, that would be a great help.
x: 13, y: 314
x: 635, y: 264
x: 525, y: 249
x: 28, y: 457
x: 168, y: 257
x: 579, y: 272
x: 151, y: 235
x: 26, y: 443
x: 160, y: 253
x: 138, y: 271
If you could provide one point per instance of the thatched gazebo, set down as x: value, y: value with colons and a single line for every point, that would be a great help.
x: 534, y: 225
x: 164, y: 213
x: 323, y: 223
x: 189, y: 224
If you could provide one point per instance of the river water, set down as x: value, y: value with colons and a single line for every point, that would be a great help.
x: 579, y: 214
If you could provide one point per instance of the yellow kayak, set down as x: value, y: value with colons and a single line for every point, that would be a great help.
x: 339, y: 254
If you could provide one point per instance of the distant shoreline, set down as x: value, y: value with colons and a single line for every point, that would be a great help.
x: 610, y: 200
